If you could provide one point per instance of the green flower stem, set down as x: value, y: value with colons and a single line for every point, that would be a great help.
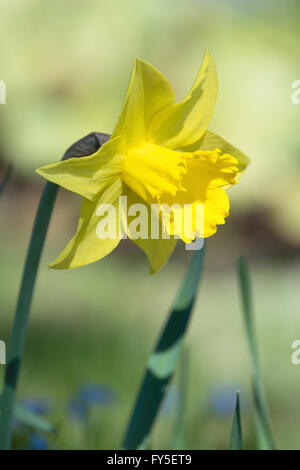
x: 83, y: 147
x: 18, y: 334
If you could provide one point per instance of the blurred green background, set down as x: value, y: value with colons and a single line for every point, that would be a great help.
x: 66, y: 66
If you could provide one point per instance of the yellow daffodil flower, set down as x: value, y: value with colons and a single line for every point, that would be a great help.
x: 159, y: 153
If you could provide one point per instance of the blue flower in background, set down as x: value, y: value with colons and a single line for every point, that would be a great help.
x: 77, y: 409
x: 222, y: 399
x: 38, y: 405
x: 93, y: 394
x: 38, y: 442
x: 90, y: 395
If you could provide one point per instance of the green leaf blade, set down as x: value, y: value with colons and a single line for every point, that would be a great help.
x: 163, y: 360
x: 29, y: 418
x: 236, y: 441
x: 25, y: 416
x: 263, y: 429
x: 179, y: 438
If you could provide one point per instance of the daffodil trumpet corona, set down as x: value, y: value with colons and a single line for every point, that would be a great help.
x: 160, y: 156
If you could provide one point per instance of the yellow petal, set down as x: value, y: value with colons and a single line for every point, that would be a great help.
x: 209, y: 169
x: 216, y: 209
x: 87, y: 176
x: 86, y: 247
x: 211, y: 141
x: 157, y: 250
x: 185, y: 122
x: 199, y: 218
x: 152, y: 170
x: 148, y: 92
x: 207, y: 173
